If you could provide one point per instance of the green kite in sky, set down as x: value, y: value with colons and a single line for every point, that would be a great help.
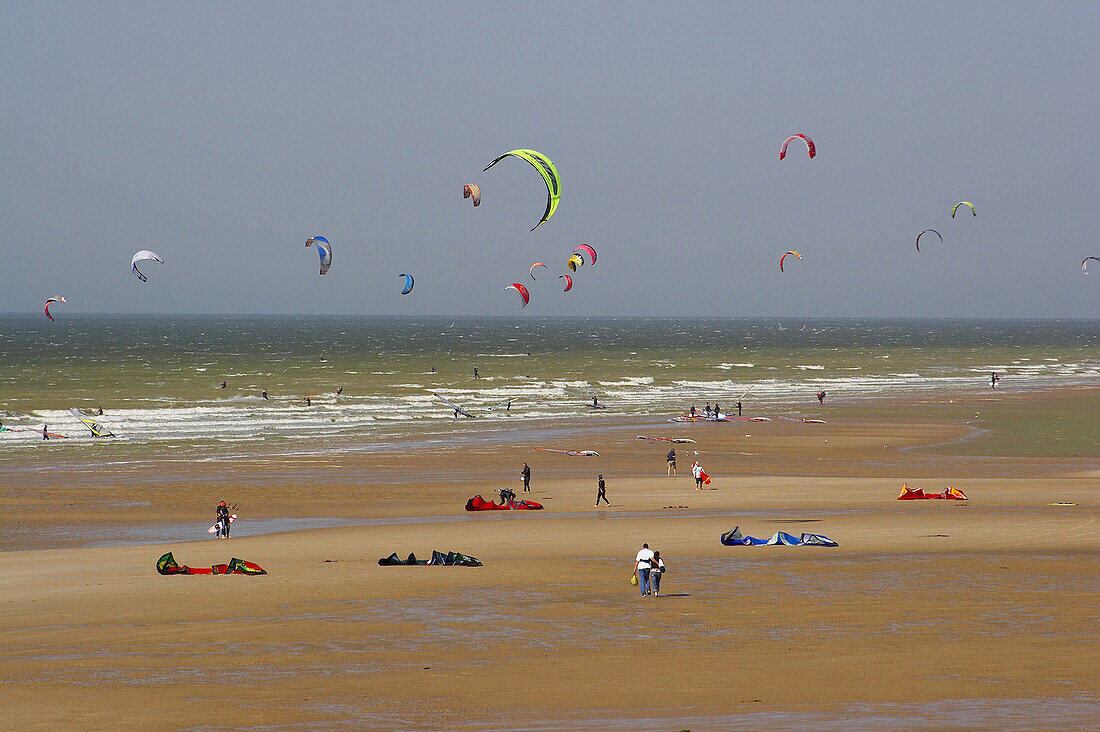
x: 549, y: 173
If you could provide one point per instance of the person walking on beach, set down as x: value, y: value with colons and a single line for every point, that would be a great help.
x: 526, y: 475
x: 671, y: 460
x: 641, y: 568
x: 655, y: 573
x: 223, y: 520
x: 601, y: 492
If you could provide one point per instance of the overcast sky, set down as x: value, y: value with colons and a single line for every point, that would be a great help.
x: 222, y: 135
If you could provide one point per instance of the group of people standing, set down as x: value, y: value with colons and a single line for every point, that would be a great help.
x: 648, y: 568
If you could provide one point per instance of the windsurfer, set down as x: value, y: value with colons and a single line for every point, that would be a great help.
x: 45, y: 434
x: 99, y: 412
x: 264, y: 393
x: 595, y: 402
x: 308, y: 403
x: 739, y: 408
x: 223, y: 521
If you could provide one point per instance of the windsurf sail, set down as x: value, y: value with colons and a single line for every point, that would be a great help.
x: 97, y: 429
x: 452, y: 405
x: 505, y: 403
x: 667, y: 439
x: 571, y: 453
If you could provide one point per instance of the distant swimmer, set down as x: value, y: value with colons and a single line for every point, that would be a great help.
x: 821, y: 397
x: 476, y: 376
x: 340, y: 391
x: 45, y: 434
x: 223, y: 385
x: 264, y: 393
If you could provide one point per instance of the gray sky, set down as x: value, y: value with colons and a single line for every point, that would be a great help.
x: 222, y: 135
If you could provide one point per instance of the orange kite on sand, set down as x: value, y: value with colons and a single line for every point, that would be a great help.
x: 913, y: 494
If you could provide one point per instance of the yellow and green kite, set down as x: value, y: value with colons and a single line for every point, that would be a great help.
x: 549, y: 173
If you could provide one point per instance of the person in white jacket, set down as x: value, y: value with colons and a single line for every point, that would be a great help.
x: 697, y: 473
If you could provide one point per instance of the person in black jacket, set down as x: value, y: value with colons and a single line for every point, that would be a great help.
x: 526, y: 473
x: 601, y: 492
x: 223, y: 519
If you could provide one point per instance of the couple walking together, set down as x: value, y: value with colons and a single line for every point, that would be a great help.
x: 648, y: 568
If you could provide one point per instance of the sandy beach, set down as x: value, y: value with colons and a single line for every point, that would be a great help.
x: 976, y: 614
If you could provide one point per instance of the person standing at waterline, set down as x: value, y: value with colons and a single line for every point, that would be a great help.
x: 641, y: 568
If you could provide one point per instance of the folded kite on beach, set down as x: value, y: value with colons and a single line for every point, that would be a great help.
x: 736, y: 538
x: 916, y: 494
x: 477, y: 503
x: 167, y: 565
x: 439, y: 559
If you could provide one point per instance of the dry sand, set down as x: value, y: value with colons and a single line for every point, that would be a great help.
x: 928, y: 614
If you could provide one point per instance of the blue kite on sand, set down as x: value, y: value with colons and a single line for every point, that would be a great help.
x: 736, y: 538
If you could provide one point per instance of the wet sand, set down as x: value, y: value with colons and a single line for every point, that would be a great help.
x: 929, y: 613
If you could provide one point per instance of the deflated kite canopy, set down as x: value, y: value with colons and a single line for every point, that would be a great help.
x: 167, y: 565
x: 53, y: 300
x: 523, y: 293
x: 964, y: 203
x: 408, y: 283
x: 779, y: 538
x: 140, y: 256
x: 549, y: 174
x: 810, y: 148
x: 587, y: 250
x: 796, y: 254
x: 531, y: 270
x: 926, y: 231
x: 324, y: 249
x: 472, y: 190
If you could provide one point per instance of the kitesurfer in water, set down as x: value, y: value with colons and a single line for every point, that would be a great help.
x: 821, y: 397
x: 595, y: 403
x: 601, y: 492
x: 509, y: 409
x: 340, y: 391
x: 222, y: 386
x: 223, y: 520
x: 993, y: 379
x: 475, y: 373
x: 526, y: 475
x: 264, y: 393
x: 671, y: 460
x: 99, y: 412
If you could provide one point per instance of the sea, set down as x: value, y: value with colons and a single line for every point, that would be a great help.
x: 158, y: 378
